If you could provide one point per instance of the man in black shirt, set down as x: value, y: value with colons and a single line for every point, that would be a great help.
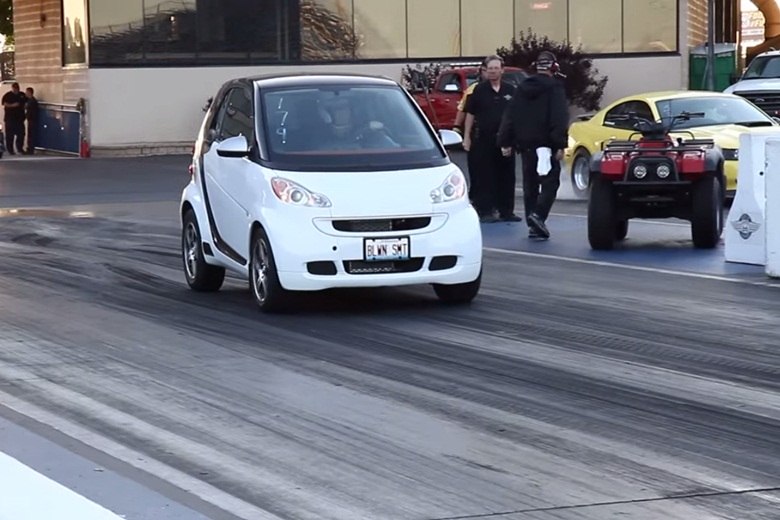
x: 536, y: 126
x: 31, y: 113
x: 495, y: 171
x: 14, y: 102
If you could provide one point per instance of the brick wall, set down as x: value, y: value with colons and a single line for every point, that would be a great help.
x: 697, y: 22
x: 38, y: 53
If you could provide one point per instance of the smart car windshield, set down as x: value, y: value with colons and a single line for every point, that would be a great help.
x: 715, y: 110
x: 763, y: 67
x: 363, y: 127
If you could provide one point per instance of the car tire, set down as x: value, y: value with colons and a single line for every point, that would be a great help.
x: 621, y: 230
x: 580, y: 173
x: 602, y: 221
x: 707, y: 213
x: 200, y: 275
x: 267, y: 291
x: 458, y: 294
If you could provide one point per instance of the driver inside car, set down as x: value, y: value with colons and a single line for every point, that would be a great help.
x: 344, y: 129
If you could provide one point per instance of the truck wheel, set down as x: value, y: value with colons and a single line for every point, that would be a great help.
x: 621, y: 230
x: 707, y: 218
x: 602, y: 222
x: 580, y: 174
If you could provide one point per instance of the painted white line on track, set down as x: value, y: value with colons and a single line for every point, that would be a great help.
x: 633, y: 220
x: 656, y: 270
x: 25, y: 494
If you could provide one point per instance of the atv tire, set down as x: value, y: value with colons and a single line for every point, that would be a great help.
x: 602, y: 219
x: 621, y: 230
x: 707, y: 213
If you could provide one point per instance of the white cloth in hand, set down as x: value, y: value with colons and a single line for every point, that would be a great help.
x: 543, y: 160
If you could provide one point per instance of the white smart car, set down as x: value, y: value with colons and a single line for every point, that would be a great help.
x: 307, y: 182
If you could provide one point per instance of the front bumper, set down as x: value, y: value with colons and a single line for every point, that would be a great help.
x: 447, y: 251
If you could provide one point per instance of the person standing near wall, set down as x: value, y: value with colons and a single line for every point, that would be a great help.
x: 460, y: 119
x: 31, y: 113
x: 14, y: 102
x: 495, y: 172
x: 536, y: 126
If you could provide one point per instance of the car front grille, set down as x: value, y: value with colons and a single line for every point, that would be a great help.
x: 768, y: 101
x: 396, y: 266
x: 381, y: 224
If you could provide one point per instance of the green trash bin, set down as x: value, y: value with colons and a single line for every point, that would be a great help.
x: 725, y: 66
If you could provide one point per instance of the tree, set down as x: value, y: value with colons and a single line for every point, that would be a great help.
x: 583, y: 86
x: 7, y: 20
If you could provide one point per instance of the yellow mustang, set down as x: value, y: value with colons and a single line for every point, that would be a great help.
x: 725, y: 117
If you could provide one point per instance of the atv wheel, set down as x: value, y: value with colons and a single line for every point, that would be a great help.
x: 602, y: 222
x: 621, y: 230
x: 707, y: 218
x: 200, y: 275
x: 580, y: 174
x: 459, y: 293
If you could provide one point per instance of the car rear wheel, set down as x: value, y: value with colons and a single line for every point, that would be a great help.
x: 200, y: 275
x: 458, y: 293
x: 707, y: 218
x: 602, y: 221
x: 580, y: 174
x: 268, y: 293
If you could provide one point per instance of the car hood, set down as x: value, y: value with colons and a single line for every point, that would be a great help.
x: 375, y: 193
x: 754, y: 84
x: 725, y: 136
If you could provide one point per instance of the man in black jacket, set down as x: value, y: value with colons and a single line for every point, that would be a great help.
x: 536, y: 126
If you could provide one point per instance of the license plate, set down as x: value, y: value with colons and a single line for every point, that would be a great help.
x: 383, y: 249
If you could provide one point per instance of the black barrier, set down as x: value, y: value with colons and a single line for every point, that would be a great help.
x: 59, y: 128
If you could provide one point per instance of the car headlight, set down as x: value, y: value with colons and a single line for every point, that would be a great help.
x: 293, y: 193
x: 640, y: 171
x: 731, y: 154
x: 453, y: 188
x: 663, y: 171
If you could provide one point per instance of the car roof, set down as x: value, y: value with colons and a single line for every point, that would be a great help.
x: 293, y: 79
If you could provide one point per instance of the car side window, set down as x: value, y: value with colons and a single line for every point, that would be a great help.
x: 617, y: 116
x: 235, y: 115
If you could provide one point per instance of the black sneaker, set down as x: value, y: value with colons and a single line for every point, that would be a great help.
x: 537, y: 225
x: 510, y: 218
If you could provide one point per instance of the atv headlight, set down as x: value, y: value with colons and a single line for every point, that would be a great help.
x: 663, y: 171
x: 640, y: 171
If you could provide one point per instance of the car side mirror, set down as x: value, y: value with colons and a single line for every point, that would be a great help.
x: 233, y: 147
x: 451, y: 87
x: 450, y: 138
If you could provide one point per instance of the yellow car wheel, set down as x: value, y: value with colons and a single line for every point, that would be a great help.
x: 580, y: 173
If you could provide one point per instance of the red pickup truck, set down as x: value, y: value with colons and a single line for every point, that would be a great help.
x: 440, y: 104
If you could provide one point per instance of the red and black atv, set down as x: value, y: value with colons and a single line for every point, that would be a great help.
x: 656, y: 176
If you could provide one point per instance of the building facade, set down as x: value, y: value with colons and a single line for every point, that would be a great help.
x: 146, y: 67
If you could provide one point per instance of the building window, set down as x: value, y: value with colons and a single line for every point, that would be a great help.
x: 74, y: 29
x: 648, y: 26
x: 442, y: 38
x: 548, y: 17
x: 244, y: 32
x: 380, y: 28
x: 596, y: 25
x: 326, y: 30
x: 483, y: 29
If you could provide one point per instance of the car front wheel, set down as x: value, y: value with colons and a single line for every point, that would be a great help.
x: 200, y: 275
x: 580, y: 174
x: 460, y: 293
x: 268, y: 293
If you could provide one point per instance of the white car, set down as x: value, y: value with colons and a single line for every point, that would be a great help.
x: 307, y: 182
